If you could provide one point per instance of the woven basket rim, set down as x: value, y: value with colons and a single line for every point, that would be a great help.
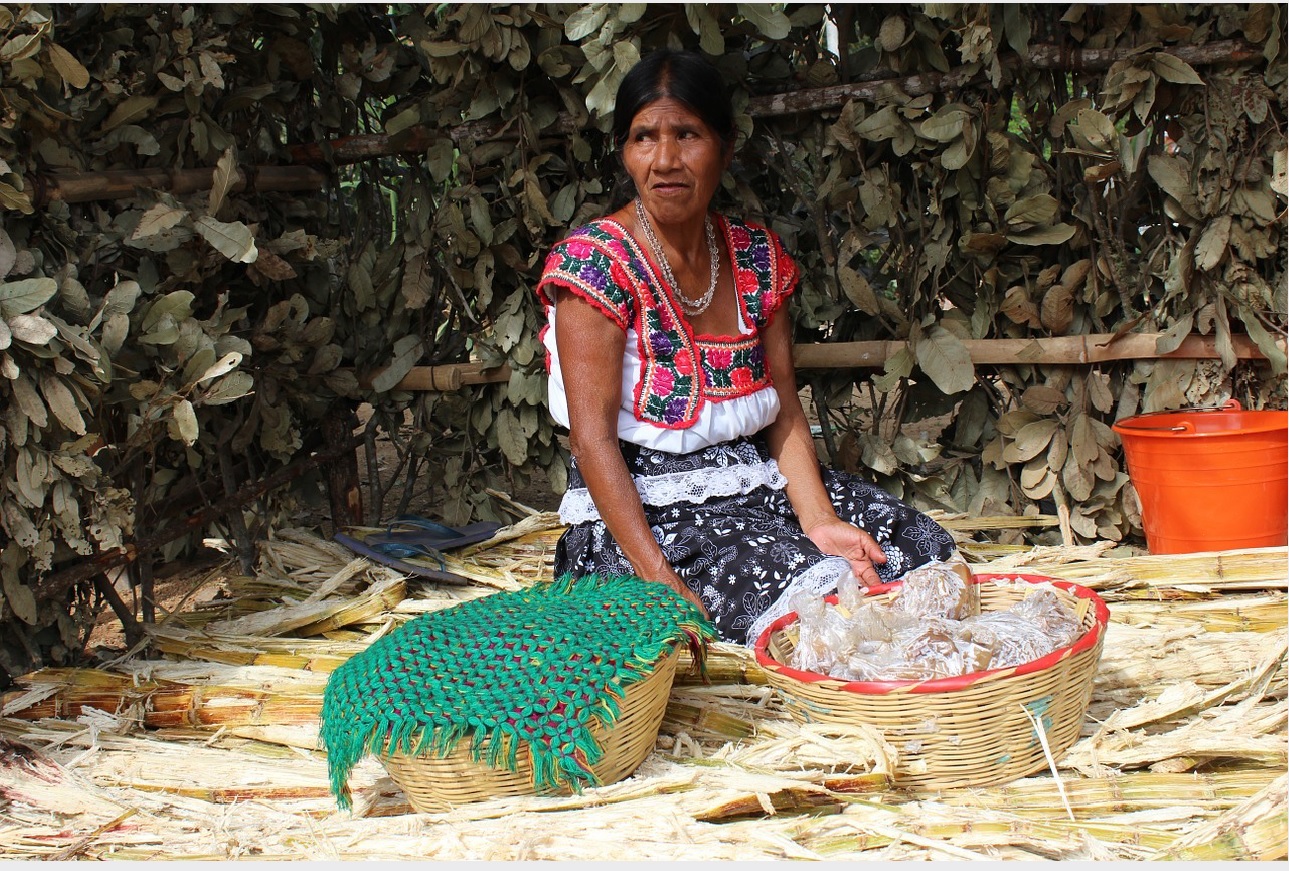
x: 945, y: 684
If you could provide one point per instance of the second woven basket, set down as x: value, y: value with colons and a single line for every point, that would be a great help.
x: 979, y: 729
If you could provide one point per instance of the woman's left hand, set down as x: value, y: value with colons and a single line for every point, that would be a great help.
x: 839, y: 538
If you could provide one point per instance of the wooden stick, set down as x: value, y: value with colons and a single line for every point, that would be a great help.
x: 1056, y: 350
x: 1046, y: 57
x: 82, y: 187
x: 414, y: 140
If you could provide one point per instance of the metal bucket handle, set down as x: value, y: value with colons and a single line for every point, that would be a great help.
x: 1186, y: 426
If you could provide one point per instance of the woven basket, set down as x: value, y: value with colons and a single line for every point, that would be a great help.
x: 435, y: 783
x: 974, y: 730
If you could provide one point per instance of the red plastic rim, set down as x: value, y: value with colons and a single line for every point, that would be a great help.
x: 945, y: 684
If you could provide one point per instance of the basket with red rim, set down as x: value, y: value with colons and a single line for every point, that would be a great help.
x: 978, y: 729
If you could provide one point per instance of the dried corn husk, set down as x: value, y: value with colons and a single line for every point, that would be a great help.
x: 211, y: 752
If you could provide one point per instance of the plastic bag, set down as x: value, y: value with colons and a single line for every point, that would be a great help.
x: 939, y: 589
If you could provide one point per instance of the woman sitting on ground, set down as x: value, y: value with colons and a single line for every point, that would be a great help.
x: 669, y: 345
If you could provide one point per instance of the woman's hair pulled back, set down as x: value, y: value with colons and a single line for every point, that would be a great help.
x: 684, y: 76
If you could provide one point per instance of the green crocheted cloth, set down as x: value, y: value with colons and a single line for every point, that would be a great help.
x: 536, y: 666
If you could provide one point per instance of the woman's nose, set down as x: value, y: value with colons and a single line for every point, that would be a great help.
x: 668, y: 153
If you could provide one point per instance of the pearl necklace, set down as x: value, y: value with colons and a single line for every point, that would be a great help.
x: 691, y: 306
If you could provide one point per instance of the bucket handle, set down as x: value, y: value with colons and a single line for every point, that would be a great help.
x: 1186, y: 425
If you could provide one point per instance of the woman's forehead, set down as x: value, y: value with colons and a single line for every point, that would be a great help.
x: 666, y: 109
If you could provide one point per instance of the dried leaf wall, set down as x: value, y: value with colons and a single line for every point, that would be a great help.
x: 942, y: 173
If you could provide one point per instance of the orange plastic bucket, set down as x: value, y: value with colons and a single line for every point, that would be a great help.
x: 1209, y: 479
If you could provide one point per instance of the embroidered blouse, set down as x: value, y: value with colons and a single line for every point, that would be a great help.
x: 681, y: 391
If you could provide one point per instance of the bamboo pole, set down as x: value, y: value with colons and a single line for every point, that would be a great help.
x: 1055, y: 350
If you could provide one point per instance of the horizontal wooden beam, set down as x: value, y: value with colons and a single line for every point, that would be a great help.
x: 1057, y: 350
x: 879, y: 84
x: 115, y: 184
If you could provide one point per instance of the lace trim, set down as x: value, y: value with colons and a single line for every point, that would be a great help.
x: 695, y: 486
x: 819, y: 579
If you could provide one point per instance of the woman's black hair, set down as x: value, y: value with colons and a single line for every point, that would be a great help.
x: 685, y: 76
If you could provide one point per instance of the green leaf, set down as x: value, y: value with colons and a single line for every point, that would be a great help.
x: 1094, y: 131
x: 231, y: 387
x: 20, y: 297
x: 32, y: 329
x: 233, y: 240
x: 222, y: 180
x: 1171, y: 68
x: 1172, y: 339
x: 407, y: 353
x: 177, y: 305
x: 890, y: 36
x: 946, y: 361
x: 1212, y: 243
x: 881, y: 125
x: 20, y: 598
x: 61, y: 402
x: 72, y: 71
x: 1030, y: 211
x: 585, y: 21
x: 28, y: 401
x: 1266, y: 342
x: 510, y: 436
x: 182, y: 424
x: 858, y: 290
x: 771, y: 22
x: 946, y: 124
x: 222, y: 366
x: 129, y: 110
x: 1053, y: 235
x: 157, y: 219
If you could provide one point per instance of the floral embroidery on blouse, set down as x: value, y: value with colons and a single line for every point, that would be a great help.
x: 602, y: 264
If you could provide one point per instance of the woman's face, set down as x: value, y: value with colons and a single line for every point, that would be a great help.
x: 675, y: 160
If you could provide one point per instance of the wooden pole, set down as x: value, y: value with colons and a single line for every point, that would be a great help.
x: 83, y: 187
x: 1046, y: 57
x: 1056, y: 350
x: 413, y: 140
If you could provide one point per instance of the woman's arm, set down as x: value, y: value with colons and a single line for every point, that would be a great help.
x: 591, y: 349
x: 793, y: 448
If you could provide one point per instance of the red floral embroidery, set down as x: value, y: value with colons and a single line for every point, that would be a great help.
x: 720, y: 358
x: 678, y: 371
x: 663, y: 382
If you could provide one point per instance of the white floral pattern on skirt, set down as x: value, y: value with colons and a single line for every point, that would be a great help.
x: 745, y: 554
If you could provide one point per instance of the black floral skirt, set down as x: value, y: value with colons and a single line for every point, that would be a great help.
x: 725, y: 525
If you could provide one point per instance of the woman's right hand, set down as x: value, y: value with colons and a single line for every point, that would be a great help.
x: 668, y: 578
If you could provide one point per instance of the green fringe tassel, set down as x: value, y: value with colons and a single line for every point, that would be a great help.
x: 376, y: 702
